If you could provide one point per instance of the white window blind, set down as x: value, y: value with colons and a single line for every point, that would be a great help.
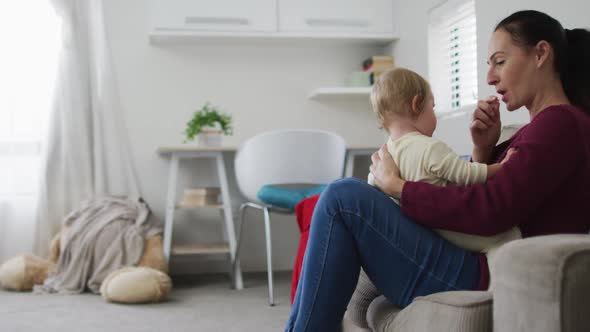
x: 452, y: 55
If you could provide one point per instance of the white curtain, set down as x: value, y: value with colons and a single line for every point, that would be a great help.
x: 87, y: 150
x: 29, y: 31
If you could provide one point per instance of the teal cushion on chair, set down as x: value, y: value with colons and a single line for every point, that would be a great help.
x: 284, y: 197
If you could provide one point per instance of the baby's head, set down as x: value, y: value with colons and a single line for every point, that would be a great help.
x: 402, y: 95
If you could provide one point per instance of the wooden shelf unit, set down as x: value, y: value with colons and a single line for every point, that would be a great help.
x: 199, y: 249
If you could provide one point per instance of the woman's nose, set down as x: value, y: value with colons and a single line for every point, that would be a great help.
x: 492, y: 77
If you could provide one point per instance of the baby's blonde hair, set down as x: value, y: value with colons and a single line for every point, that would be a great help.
x: 394, y: 91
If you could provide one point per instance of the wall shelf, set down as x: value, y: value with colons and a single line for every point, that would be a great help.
x: 180, y: 37
x: 331, y: 92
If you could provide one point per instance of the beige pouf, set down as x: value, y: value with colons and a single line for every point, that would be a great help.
x: 134, y: 285
x: 21, y: 273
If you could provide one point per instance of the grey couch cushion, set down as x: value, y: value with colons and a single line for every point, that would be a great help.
x: 458, y: 311
x: 542, y: 284
x: 350, y: 326
x: 364, y: 294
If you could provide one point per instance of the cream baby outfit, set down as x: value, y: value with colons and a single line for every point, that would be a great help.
x: 425, y: 159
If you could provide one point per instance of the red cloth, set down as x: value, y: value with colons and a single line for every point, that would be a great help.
x: 303, y: 211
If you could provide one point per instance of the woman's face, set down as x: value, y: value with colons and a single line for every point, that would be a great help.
x: 511, y: 70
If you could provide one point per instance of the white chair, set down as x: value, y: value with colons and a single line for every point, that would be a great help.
x: 284, y: 157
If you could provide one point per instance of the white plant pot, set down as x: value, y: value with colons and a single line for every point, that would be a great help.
x: 210, y: 137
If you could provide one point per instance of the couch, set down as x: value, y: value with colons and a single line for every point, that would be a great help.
x: 540, y: 284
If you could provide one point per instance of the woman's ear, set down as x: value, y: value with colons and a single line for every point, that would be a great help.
x: 542, y: 52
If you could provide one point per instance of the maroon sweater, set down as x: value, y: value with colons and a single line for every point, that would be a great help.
x: 542, y: 189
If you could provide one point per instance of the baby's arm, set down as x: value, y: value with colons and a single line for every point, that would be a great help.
x: 444, y: 163
x: 494, y: 168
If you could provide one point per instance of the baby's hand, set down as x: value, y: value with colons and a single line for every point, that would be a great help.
x: 509, y: 154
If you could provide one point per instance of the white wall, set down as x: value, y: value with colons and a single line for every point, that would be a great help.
x: 264, y: 85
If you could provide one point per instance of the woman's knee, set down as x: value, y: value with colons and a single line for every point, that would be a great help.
x: 350, y: 189
x: 347, y: 186
x: 345, y: 192
x: 332, y: 197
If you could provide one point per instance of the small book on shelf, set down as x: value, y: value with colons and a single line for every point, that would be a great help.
x: 378, y: 62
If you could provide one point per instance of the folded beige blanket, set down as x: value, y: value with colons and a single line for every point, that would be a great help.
x: 105, y: 234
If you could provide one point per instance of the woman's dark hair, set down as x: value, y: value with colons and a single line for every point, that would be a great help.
x: 571, y: 49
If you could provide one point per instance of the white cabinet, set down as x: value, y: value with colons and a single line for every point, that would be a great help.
x: 354, y: 20
x: 336, y: 17
x: 214, y: 15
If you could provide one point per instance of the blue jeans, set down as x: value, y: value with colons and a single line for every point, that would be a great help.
x: 355, y: 225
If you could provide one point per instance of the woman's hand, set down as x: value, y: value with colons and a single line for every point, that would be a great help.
x: 485, y: 128
x: 386, y: 173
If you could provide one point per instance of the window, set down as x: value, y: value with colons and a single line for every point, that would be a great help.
x: 452, y: 55
x: 30, y: 34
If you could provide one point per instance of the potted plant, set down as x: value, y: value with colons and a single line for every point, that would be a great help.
x: 208, y: 123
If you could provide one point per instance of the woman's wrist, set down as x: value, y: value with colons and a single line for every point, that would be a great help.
x: 396, y: 187
x: 482, y: 154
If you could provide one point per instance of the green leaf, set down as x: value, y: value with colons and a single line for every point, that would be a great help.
x: 208, y: 116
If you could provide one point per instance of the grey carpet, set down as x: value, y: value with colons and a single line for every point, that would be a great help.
x: 200, y: 303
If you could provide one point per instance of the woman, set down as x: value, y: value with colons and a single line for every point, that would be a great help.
x: 542, y: 189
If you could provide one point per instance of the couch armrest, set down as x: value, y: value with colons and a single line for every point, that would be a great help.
x: 542, y: 284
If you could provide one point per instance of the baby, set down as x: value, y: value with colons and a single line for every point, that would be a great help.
x: 404, y: 105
